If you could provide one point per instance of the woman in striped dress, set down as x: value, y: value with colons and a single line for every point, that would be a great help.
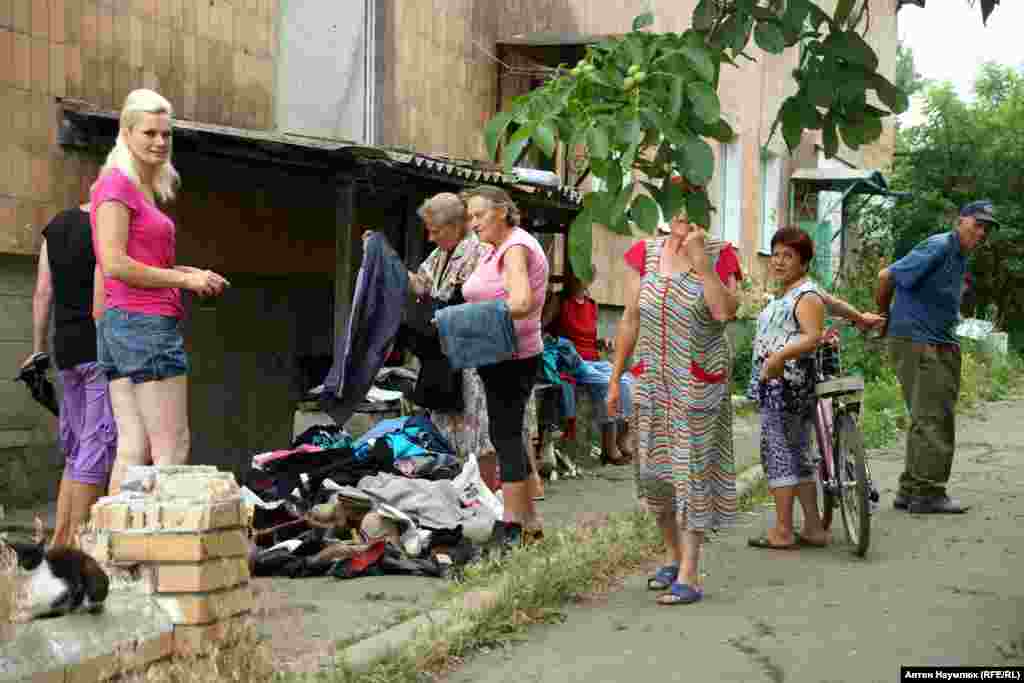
x: 680, y: 293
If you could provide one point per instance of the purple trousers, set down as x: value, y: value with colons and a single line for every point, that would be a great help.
x: 88, y: 433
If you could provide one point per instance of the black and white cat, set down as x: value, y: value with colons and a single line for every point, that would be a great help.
x: 61, y: 580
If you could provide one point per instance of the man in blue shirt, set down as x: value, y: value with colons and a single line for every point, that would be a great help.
x: 928, y: 285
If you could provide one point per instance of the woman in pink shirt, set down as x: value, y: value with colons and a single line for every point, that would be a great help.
x: 139, y: 342
x: 516, y: 270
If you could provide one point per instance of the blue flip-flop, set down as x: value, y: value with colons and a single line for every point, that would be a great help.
x: 681, y: 594
x: 663, y: 578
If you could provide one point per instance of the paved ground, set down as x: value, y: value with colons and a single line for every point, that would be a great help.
x: 306, y: 620
x: 933, y: 591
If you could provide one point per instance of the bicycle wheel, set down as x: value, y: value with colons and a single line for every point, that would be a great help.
x: 826, y: 503
x: 852, y: 478
x: 826, y: 500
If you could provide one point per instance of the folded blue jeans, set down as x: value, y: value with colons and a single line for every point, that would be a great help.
x: 474, y: 335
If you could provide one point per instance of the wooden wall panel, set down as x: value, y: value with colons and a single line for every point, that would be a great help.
x: 100, y: 50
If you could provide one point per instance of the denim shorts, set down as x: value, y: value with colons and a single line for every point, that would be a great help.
x: 140, y: 346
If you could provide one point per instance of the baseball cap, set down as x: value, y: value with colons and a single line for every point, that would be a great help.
x: 981, y: 210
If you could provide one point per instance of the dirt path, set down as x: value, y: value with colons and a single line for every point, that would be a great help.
x: 934, y: 590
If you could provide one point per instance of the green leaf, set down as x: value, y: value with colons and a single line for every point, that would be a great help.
x: 860, y: 132
x: 516, y: 144
x: 600, y: 78
x: 705, y: 102
x: 675, y: 98
x: 850, y: 46
x: 544, y: 137
x: 701, y: 61
x: 830, y: 136
x: 820, y: 91
x: 671, y: 199
x: 843, y: 9
x: 666, y: 127
x: 741, y: 35
x: 495, y: 130
x: 698, y: 208
x: 645, y: 213
x: 631, y: 132
x: 696, y: 160
x: 817, y: 16
x: 891, y: 95
x: 704, y: 15
x: 720, y: 130
x: 636, y: 51
x: 769, y: 37
x: 643, y: 21
x: 580, y: 244
x: 851, y: 133
x: 617, y: 220
x: 796, y: 15
x: 792, y: 123
x: 597, y: 142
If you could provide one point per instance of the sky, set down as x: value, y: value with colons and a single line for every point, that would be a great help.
x: 949, y: 41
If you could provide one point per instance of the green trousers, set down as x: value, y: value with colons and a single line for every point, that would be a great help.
x: 930, y: 378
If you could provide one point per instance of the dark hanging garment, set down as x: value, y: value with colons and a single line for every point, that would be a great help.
x: 438, y: 387
x: 376, y: 313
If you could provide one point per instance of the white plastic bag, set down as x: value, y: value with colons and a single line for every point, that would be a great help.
x: 473, y: 491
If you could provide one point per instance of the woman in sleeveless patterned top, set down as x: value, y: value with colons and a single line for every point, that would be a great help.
x: 789, y: 330
x: 679, y: 297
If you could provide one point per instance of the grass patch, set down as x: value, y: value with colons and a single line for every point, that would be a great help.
x: 883, y: 414
x: 983, y: 379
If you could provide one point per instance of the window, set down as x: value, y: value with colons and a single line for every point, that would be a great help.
x: 730, y: 187
x: 771, y: 186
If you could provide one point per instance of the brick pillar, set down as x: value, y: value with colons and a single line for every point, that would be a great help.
x: 184, y: 529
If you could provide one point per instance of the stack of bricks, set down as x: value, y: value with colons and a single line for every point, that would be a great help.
x: 183, y: 529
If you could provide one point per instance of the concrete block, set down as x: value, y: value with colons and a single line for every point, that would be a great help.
x: 7, y: 76
x: 132, y: 631
x: 205, y: 608
x: 21, y: 16
x: 126, y: 656
x: 192, y: 640
x: 58, y: 13
x: 200, y: 482
x: 143, y: 513
x: 40, y: 19
x: 131, y: 546
x: 40, y: 65
x: 196, y: 577
x: 22, y: 60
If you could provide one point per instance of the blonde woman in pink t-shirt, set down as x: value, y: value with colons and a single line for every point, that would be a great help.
x: 139, y: 342
x: 516, y: 270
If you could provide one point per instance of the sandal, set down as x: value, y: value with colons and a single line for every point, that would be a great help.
x: 663, y: 578
x: 681, y: 594
x: 763, y: 542
x: 805, y: 543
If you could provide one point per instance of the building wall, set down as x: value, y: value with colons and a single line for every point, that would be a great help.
x: 439, y: 91
x: 213, y: 59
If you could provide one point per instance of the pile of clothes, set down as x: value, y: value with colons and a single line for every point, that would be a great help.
x: 394, y: 501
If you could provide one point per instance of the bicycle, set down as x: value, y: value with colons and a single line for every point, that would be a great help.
x: 844, y: 477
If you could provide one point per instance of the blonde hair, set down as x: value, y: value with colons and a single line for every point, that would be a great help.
x: 137, y: 103
x: 497, y: 198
